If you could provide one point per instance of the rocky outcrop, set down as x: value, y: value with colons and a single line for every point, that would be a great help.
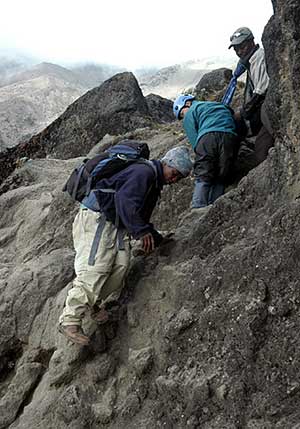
x: 161, y: 109
x: 208, y: 332
x: 115, y: 107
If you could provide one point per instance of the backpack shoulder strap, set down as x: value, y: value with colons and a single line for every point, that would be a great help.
x: 151, y: 165
x: 80, y: 172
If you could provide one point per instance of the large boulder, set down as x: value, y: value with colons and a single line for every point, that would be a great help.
x: 161, y: 109
x: 213, y: 82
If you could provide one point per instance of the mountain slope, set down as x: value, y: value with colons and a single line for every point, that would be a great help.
x: 11, y: 65
x: 35, y: 98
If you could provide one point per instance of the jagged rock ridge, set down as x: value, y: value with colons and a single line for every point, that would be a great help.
x: 115, y: 107
x: 33, y: 96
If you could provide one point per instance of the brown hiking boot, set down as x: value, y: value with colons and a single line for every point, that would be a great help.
x: 75, y: 334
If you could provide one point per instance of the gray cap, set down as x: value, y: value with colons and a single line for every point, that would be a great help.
x: 240, y: 35
x: 179, y: 158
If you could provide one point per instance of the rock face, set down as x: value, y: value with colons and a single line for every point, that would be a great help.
x: 208, y: 334
x: 283, y: 63
x: 36, y: 267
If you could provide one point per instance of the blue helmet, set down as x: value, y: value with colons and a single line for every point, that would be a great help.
x: 180, y: 102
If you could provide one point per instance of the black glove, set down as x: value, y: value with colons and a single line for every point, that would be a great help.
x: 157, y: 237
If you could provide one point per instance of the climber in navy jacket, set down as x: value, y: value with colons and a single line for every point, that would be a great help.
x: 120, y: 209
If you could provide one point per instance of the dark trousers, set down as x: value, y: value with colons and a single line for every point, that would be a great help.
x: 264, y: 139
x: 263, y: 142
x: 214, y: 166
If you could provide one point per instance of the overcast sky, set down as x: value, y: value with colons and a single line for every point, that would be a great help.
x: 129, y: 33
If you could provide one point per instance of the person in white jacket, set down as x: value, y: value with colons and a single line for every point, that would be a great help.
x: 252, y: 57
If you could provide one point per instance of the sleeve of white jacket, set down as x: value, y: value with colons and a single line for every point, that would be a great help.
x: 258, y: 72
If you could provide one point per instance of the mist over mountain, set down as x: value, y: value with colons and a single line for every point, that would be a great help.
x: 33, y: 99
x: 47, y: 69
x: 95, y: 74
x: 168, y: 82
x: 11, y: 65
x: 16, y: 66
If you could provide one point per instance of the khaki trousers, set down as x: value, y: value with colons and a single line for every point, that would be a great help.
x: 101, y: 282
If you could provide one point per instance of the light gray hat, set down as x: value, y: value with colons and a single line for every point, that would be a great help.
x: 240, y: 35
x: 179, y: 158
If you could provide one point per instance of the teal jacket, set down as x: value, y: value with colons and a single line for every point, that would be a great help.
x: 205, y: 117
